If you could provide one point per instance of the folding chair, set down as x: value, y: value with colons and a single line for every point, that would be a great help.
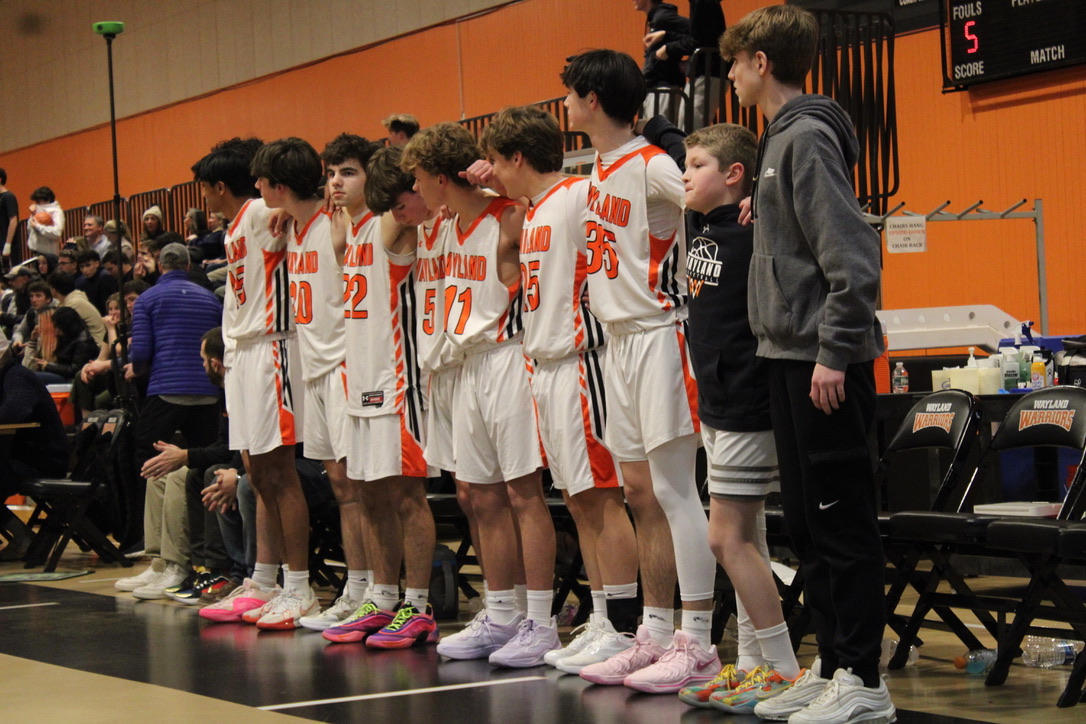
x: 62, y: 504
x: 1049, y: 417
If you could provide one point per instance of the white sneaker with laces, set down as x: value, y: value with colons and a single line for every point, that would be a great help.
x: 172, y: 575
x: 606, y: 643
x: 644, y: 651
x: 806, y: 689
x: 479, y: 616
x: 331, y: 616
x: 583, y: 635
x: 480, y: 639
x: 846, y: 700
x: 686, y: 663
x: 133, y: 582
x: 529, y: 646
x: 285, y: 611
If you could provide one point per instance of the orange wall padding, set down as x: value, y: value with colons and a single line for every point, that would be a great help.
x: 999, y: 143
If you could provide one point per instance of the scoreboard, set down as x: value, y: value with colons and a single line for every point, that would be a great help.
x: 986, y: 40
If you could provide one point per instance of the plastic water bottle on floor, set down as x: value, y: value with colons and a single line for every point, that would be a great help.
x: 889, y: 647
x: 977, y: 661
x: 1044, y: 653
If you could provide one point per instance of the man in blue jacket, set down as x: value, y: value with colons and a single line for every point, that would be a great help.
x: 168, y: 322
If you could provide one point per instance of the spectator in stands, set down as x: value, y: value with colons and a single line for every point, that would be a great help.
x: 63, y: 285
x: 68, y: 261
x: 706, y: 27
x: 213, y: 248
x: 146, y: 267
x: 168, y: 323
x: 195, y: 226
x: 665, y: 33
x: 95, y: 389
x: 29, y: 453
x: 16, y: 304
x: 46, y: 223
x: 47, y: 263
x: 9, y: 222
x: 122, y: 237
x: 64, y: 345
x: 401, y: 127
x: 41, y: 297
x: 95, y: 281
x: 154, y: 225
x: 112, y: 260
x: 95, y: 236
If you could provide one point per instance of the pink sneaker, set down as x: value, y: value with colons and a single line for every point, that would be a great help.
x: 614, y: 670
x: 687, y: 662
x: 368, y: 619
x: 247, y: 597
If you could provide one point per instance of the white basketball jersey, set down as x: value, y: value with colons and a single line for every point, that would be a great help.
x: 632, y: 274
x: 554, y: 275
x: 379, y: 320
x: 316, y: 289
x: 257, y: 302
x: 434, y: 351
x: 480, y: 311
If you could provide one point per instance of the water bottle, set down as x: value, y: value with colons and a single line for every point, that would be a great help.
x: 900, y: 379
x: 977, y: 661
x: 1044, y: 653
x: 889, y: 647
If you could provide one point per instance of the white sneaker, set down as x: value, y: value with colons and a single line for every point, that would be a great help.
x: 806, y: 689
x: 643, y: 652
x: 331, y: 616
x: 480, y: 639
x: 285, y: 611
x: 583, y: 635
x: 606, y: 643
x: 845, y: 700
x: 528, y: 647
x: 172, y: 575
x: 479, y: 617
x: 133, y: 582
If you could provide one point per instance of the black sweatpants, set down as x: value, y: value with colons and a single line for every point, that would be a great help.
x: 829, y: 499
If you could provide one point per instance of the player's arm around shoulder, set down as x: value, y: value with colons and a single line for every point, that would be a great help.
x: 512, y: 222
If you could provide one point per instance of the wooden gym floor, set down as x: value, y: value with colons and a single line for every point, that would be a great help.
x: 78, y: 651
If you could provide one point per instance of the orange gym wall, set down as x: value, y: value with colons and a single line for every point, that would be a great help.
x: 1024, y: 138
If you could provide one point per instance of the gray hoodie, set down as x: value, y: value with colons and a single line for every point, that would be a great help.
x: 814, y: 277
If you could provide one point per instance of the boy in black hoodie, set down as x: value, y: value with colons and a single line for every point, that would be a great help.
x: 813, y: 283
x: 733, y: 404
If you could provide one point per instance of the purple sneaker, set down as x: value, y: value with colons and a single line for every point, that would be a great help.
x: 366, y: 620
x: 528, y: 647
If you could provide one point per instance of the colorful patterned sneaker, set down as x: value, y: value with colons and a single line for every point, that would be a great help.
x: 196, y: 580
x: 583, y: 635
x: 217, y: 591
x: 480, y: 639
x: 845, y: 699
x: 366, y: 620
x: 805, y: 690
x: 410, y: 627
x: 763, y: 684
x: 687, y: 662
x: 334, y: 615
x: 727, y: 681
x: 529, y: 647
x: 249, y: 596
x: 612, y: 672
x: 603, y: 646
x: 285, y: 611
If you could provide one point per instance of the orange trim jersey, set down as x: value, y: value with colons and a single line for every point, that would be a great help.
x: 480, y: 311
x: 257, y: 300
x: 379, y: 321
x: 316, y: 290
x: 554, y: 275
x: 636, y: 240
x: 434, y: 351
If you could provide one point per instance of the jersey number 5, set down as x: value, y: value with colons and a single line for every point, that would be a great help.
x: 529, y: 276
x: 601, y: 254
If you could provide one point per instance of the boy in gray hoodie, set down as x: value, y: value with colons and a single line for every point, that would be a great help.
x: 814, y: 278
